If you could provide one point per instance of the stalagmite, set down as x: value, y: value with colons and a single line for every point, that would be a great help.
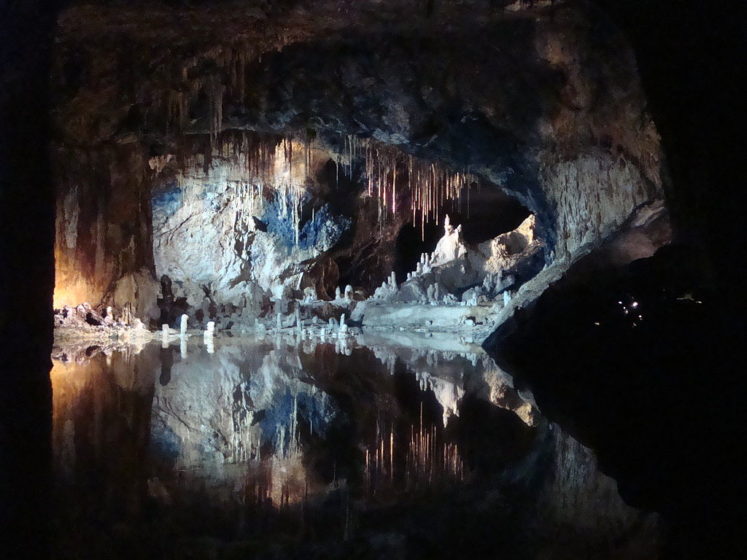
x: 450, y: 246
x: 279, y: 321
x: 338, y: 293
x: 208, y: 337
x: 343, y: 326
x: 164, y: 336
x: 183, y: 326
x: 183, y: 347
x: 309, y: 294
x: 349, y: 292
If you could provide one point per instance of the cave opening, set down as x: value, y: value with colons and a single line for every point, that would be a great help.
x: 486, y: 213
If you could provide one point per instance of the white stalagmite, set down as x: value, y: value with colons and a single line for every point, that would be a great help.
x: 183, y: 325
x: 208, y: 337
x: 343, y: 326
x: 183, y: 347
x: 338, y: 293
x: 450, y: 246
x: 164, y: 336
x: 349, y: 292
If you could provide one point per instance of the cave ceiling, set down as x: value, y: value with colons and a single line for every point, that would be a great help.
x: 474, y: 85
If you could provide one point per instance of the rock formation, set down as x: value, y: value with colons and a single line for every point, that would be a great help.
x: 288, y: 183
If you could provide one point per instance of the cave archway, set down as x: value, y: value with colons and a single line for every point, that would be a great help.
x: 511, y: 121
x: 486, y: 214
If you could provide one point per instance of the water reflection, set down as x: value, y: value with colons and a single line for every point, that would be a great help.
x: 261, y: 441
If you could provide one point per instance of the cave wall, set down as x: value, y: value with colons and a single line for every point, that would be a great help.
x: 659, y: 432
x: 262, y: 234
x: 103, y: 242
x: 690, y: 57
x: 544, y: 102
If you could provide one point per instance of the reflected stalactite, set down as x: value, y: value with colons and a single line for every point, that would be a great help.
x: 267, y: 434
x: 412, y: 459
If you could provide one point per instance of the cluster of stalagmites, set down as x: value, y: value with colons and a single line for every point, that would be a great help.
x: 85, y: 318
x: 455, y: 274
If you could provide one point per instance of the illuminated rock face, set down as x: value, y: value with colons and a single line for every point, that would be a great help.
x: 550, y: 118
x: 101, y: 237
x: 225, y: 233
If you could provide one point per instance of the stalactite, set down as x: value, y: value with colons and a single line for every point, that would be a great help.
x: 283, y: 164
x: 215, y: 99
x: 430, y: 186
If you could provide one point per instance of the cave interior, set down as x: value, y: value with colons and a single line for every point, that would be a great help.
x: 371, y: 279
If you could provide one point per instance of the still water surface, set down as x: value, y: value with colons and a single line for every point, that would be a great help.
x: 279, y: 448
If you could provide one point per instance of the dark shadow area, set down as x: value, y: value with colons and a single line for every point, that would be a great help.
x: 643, y: 364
